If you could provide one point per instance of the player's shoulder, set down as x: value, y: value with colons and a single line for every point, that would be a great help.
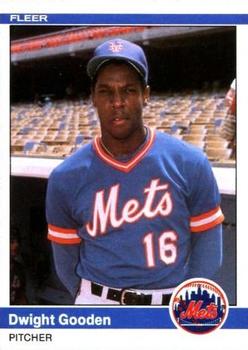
x: 75, y: 164
x: 175, y: 147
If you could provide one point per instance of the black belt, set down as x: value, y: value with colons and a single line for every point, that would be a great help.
x: 127, y: 296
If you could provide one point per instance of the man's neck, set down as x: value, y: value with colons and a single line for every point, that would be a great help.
x: 119, y: 148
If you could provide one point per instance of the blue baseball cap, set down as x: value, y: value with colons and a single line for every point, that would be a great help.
x: 118, y: 49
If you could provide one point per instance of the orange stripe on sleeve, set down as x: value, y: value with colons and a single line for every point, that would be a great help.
x: 63, y: 235
x: 207, y: 220
x: 205, y: 215
x: 64, y: 241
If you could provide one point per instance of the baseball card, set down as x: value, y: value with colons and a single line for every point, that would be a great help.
x: 123, y: 191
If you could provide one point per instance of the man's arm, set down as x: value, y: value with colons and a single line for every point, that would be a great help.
x: 206, y: 254
x: 62, y: 230
x: 65, y: 259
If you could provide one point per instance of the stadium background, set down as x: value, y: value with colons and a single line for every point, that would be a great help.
x: 191, y: 69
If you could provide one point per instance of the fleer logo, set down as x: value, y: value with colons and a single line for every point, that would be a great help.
x: 198, y: 306
x: 115, y: 47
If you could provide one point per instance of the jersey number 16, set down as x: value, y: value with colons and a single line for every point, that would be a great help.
x: 167, y: 246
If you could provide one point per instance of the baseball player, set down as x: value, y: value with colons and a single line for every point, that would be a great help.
x: 135, y: 212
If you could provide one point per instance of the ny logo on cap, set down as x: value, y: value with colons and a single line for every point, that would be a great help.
x: 115, y: 47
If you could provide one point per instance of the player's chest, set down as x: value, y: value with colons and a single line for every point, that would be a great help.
x: 113, y: 201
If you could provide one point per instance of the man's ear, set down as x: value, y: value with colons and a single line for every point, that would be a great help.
x: 146, y: 94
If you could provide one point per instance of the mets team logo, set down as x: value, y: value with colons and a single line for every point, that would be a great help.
x: 115, y: 46
x: 198, y: 306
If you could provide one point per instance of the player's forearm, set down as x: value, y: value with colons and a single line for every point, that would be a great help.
x: 206, y: 255
x: 65, y: 260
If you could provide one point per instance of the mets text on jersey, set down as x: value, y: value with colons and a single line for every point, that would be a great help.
x: 104, y: 214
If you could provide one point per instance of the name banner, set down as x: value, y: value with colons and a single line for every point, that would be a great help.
x: 104, y: 317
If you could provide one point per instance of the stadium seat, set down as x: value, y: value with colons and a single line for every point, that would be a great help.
x: 218, y: 144
x: 194, y: 137
x: 216, y: 154
x: 28, y: 147
x: 79, y: 139
x: 213, y: 137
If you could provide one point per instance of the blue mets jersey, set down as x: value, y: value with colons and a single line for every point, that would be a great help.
x: 133, y: 220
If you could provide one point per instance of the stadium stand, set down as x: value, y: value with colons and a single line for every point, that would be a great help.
x: 58, y: 128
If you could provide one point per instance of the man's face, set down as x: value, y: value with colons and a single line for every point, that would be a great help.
x: 119, y: 97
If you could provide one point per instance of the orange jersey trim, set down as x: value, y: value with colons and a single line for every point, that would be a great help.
x: 63, y: 235
x: 63, y: 241
x: 123, y: 166
x: 207, y: 220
